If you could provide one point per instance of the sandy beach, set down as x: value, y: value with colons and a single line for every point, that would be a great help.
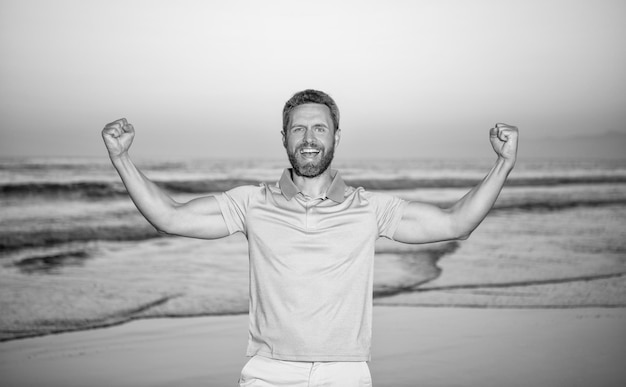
x: 412, y: 346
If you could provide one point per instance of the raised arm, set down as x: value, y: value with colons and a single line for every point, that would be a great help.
x: 423, y: 223
x: 198, y: 218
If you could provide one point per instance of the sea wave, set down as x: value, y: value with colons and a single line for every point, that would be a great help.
x: 132, y: 227
x: 108, y: 189
x: 11, y: 240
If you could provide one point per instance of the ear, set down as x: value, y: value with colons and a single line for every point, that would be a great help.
x: 337, y: 136
x: 282, y: 132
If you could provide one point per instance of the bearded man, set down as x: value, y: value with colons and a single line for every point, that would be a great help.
x: 311, y: 243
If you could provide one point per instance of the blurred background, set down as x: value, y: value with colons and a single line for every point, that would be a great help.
x: 412, y: 78
x: 419, y: 84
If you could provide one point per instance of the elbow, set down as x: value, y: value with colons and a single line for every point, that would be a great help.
x: 167, y: 229
x: 163, y: 228
x: 464, y: 236
x: 163, y: 232
x: 461, y: 229
x: 163, y: 223
x: 462, y: 233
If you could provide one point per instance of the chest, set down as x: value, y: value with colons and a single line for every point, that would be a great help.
x: 325, y: 227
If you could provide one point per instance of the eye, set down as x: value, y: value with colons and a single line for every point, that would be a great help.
x: 320, y: 129
x: 297, y: 129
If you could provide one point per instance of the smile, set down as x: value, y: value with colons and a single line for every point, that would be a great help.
x: 309, y: 151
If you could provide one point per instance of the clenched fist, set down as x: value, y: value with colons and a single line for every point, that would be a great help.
x: 503, y: 139
x: 118, y: 135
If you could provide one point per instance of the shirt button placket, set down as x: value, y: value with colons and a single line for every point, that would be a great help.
x: 306, y: 215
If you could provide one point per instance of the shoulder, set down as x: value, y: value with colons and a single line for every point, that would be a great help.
x: 381, y: 201
x: 372, y: 198
x: 373, y: 195
x: 247, y: 189
x: 246, y: 193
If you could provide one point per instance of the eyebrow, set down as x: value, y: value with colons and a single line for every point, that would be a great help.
x: 314, y: 125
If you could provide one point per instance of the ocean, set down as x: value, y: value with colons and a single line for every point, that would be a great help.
x: 76, y: 254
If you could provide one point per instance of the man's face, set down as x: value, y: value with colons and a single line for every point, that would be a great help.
x: 310, y: 139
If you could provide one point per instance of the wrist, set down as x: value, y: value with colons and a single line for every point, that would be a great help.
x: 119, y: 158
x: 506, y: 163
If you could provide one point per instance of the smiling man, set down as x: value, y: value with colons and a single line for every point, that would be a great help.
x: 311, y: 243
x: 310, y: 134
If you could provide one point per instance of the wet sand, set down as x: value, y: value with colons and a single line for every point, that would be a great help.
x: 411, y: 347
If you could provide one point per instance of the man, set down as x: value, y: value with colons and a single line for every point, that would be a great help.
x: 311, y: 243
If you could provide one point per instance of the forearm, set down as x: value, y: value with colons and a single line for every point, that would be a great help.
x: 153, y: 203
x: 470, y: 210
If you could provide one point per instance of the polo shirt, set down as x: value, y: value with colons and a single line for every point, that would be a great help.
x: 311, y: 266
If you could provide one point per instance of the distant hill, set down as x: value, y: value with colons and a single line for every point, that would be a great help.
x: 610, y: 145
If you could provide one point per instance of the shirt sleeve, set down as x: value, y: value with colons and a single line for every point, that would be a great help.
x: 234, y: 205
x: 389, y: 210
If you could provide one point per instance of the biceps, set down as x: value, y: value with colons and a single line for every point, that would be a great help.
x: 198, y: 218
x: 424, y: 223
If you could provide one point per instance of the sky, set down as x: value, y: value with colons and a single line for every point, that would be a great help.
x: 411, y: 78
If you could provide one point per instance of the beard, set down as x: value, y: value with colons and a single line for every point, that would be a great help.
x: 311, y: 168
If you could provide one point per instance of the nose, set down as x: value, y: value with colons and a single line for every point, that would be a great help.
x: 308, y: 135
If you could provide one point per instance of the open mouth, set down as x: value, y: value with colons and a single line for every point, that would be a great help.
x: 309, y: 152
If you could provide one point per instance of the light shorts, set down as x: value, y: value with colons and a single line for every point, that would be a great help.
x: 262, y: 371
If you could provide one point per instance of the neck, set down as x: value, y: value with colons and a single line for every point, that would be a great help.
x: 313, y: 186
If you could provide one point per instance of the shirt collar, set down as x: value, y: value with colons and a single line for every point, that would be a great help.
x: 336, y: 190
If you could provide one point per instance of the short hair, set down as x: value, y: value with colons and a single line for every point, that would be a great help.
x: 310, y: 96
